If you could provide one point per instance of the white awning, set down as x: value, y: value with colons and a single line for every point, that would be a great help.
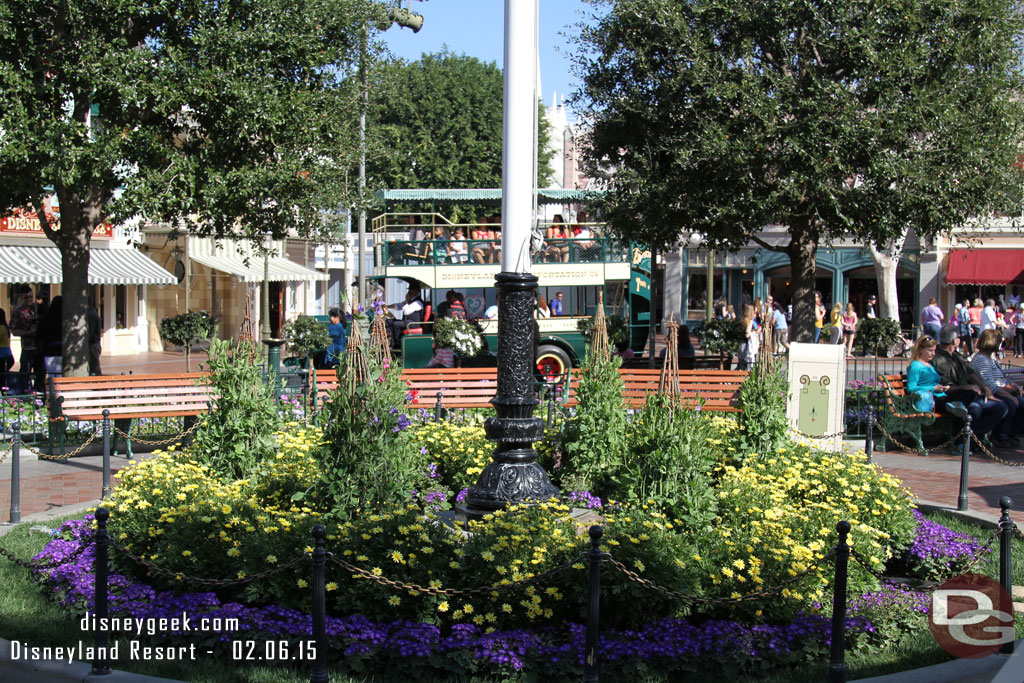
x: 106, y: 267
x: 248, y: 267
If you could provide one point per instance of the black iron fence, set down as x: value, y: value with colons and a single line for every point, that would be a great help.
x: 594, y: 557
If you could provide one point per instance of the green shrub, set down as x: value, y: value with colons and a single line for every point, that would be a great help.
x: 186, y: 329
x: 237, y: 433
x: 722, y: 336
x: 618, y: 329
x: 763, y: 425
x: 878, y: 334
x: 668, y: 462
x: 306, y: 335
x: 595, y: 437
x: 367, y: 459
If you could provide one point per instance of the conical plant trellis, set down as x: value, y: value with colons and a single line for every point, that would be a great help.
x: 356, y: 370
x: 599, y: 333
x: 668, y: 383
x: 765, y: 363
x: 380, y: 350
x: 246, y: 333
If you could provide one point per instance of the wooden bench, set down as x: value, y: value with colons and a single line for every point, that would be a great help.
x: 718, y: 389
x: 474, y: 387
x: 127, y: 397
x: 899, y: 416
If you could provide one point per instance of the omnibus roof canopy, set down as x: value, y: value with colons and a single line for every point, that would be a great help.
x: 483, y: 196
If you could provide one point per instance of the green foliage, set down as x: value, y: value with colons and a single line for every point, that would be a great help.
x: 763, y: 425
x: 878, y: 333
x: 728, y: 116
x: 595, y: 437
x: 236, y: 435
x: 220, y: 117
x: 668, y: 462
x: 187, y: 328
x: 306, y: 335
x: 460, y: 335
x: 618, y: 329
x: 722, y: 336
x: 437, y: 123
x: 367, y: 457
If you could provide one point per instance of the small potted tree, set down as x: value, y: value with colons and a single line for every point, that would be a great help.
x: 305, y: 336
x: 186, y: 329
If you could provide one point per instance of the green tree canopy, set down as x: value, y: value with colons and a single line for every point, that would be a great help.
x: 846, y: 118
x: 231, y: 117
x: 436, y: 122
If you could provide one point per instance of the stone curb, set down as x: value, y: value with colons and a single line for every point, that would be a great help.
x: 48, y: 515
x: 48, y: 671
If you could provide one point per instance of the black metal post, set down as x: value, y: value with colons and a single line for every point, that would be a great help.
x: 513, y: 475
x: 551, y: 406
x: 100, y: 663
x: 106, y: 454
x: 319, y: 674
x: 438, y: 408
x: 837, y: 664
x: 16, y: 472
x: 590, y: 660
x: 965, y: 467
x: 869, y: 440
x: 1006, y: 558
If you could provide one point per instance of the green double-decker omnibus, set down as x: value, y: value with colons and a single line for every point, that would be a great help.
x: 430, y: 248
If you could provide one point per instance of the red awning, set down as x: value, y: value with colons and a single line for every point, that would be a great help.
x: 985, y: 267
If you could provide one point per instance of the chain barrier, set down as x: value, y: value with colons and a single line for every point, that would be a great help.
x: 841, y: 433
x: 161, y: 442
x: 908, y: 449
x: 221, y: 583
x: 65, y: 456
x: 453, y: 592
x: 34, y: 566
x: 981, y: 444
x: 702, y: 600
x: 978, y: 557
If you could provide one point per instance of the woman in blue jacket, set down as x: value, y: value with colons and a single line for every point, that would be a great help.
x: 922, y: 379
x: 338, y: 338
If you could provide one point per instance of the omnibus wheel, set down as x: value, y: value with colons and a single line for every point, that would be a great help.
x: 553, y: 362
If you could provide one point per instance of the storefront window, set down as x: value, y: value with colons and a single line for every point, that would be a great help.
x: 121, y: 306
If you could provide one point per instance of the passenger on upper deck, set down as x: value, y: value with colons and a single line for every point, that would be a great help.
x: 584, y: 238
x: 457, y: 251
x: 439, y: 247
x: 480, y: 249
x: 557, y: 236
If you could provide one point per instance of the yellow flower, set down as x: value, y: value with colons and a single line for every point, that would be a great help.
x: 394, y: 600
x: 186, y: 553
x: 443, y: 607
x: 272, y: 559
x: 331, y: 586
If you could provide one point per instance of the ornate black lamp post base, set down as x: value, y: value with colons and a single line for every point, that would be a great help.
x: 513, y: 476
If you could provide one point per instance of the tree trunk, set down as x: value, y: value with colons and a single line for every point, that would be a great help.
x: 887, y: 261
x: 72, y: 239
x: 802, y: 250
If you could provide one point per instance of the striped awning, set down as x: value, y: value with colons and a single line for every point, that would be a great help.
x: 32, y: 265
x: 483, y: 195
x: 251, y: 269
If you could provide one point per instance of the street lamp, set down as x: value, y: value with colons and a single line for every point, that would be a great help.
x: 406, y: 18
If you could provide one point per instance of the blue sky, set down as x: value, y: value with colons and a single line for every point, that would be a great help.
x: 476, y: 28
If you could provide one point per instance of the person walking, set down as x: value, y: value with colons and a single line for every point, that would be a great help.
x: 92, y: 319
x: 6, y: 355
x: 965, y: 386
x: 1006, y: 434
x: 988, y: 316
x: 1018, y: 339
x: 339, y: 338
x: 849, y: 328
x: 963, y: 322
x: 819, y: 316
x: 835, y: 317
x: 751, y: 345
x: 24, y: 323
x: 870, y: 312
x: 49, y: 337
x: 931, y: 318
x: 780, y: 328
